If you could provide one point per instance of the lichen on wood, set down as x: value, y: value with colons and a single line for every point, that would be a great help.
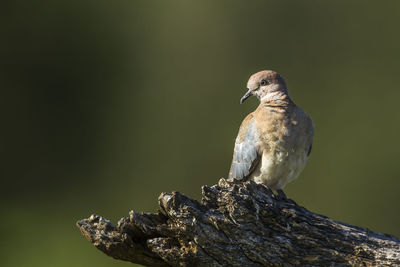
x: 238, y: 224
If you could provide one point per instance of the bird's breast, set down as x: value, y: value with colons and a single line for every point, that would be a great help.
x: 283, y: 142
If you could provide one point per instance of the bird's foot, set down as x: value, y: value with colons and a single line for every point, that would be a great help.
x: 281, y: 195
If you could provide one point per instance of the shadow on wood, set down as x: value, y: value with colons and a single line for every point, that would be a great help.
x: 238, y: 224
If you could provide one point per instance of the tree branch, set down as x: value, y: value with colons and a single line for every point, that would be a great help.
x: 238, y: 224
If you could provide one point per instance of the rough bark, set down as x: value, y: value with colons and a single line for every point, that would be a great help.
x: 238, y: 224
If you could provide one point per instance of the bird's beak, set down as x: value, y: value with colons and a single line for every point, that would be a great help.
x: 246, y: 95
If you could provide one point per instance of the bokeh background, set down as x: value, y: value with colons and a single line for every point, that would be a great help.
x: 106, y: 104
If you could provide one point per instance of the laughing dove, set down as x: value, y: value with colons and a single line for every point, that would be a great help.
x: 275, y: 140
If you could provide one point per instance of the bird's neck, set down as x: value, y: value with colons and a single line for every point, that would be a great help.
x: 276, y: 99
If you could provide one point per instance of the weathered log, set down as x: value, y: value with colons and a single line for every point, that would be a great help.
x: 238, y: 224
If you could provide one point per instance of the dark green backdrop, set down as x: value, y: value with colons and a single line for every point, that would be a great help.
x: 105, y: 104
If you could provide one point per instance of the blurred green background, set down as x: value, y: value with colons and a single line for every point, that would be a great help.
x: 106, y: 104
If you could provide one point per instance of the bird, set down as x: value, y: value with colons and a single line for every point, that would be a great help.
x: 274, y: 141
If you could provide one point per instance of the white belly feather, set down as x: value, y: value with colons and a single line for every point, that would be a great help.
x: 277, y: 168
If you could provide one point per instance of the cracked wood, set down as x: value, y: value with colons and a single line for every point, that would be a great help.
x: 238, y: 224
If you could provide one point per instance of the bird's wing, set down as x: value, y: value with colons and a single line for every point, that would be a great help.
x: 245, y: 154
x: 311, y: 135
x: 309, y: 150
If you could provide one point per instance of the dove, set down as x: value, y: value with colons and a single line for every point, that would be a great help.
x: 274, y: 141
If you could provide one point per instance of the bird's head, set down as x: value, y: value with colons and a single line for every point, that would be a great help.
x: 267, y: 86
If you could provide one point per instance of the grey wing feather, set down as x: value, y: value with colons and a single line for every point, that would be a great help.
x: 309, y: 150
x: 245, y: 155
x: 311, y: 138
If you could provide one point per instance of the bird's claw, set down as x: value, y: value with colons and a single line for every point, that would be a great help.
x: 281, y: 195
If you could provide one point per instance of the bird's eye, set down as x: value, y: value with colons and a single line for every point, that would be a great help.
x: 263, y: 82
